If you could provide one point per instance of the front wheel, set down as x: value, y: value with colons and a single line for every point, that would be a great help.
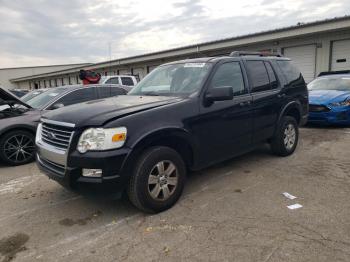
x: 157, y: 180
x: 17, y: 147
x: 286, y: 138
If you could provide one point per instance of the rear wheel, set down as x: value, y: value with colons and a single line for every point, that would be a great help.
x: 17, y: 147
x: 286, y: 137
x: 157, y: 180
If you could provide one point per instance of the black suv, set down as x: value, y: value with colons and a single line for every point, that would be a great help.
x: 184, y: 115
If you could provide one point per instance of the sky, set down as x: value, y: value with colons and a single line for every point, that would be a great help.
x: 46, y: 32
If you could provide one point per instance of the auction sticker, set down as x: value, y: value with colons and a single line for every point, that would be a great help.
x: 194, y: 65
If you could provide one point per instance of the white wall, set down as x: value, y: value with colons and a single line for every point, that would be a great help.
x: 10, y: 73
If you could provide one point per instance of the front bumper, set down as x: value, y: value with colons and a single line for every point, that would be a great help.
x: 69, y: 172
x: 339, y: 115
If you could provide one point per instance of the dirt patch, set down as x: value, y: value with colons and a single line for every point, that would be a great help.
x: 10, y: 246
x: 81, y: 221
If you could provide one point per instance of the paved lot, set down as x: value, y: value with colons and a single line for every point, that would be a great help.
x: 231, y: 212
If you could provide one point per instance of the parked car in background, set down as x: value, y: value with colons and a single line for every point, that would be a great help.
x: 126, y: 81
x: 33, y: 94
x: 185, y: 115
x: 19, y: 119
x: 19, y: 92
x: 329, y: 98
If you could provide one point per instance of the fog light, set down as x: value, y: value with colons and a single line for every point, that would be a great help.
x: 92, y: 172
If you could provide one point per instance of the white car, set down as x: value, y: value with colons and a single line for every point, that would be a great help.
x: 123, y: 80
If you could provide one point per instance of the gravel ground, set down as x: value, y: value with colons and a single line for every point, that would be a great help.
x: 234, y: 211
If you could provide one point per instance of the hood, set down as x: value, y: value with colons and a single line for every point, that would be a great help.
x: 327, y: 96
x: 7, y: 98
x: 98, y: 112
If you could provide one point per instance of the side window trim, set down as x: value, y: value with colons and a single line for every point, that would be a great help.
x: 245, y: 83
x: 249, y: 80
x: 274, y: 72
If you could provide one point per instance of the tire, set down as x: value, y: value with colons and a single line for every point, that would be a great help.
x: 17, y: 147
x: 286, y: 138
x: 149, y: 180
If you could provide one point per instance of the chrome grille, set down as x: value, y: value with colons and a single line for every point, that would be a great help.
x: 56, y: 135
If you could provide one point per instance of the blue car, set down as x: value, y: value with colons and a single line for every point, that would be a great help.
x: 329, y: 99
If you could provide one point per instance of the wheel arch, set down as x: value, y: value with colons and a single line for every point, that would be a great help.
x: 175, y: 138
x: 18, y: 127
x: 293, y: 109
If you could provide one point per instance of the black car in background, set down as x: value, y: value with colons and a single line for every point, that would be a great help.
x: 19, y: 119
x: 185, y: 115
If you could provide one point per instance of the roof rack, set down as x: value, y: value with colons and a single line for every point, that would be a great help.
x: 334, y: 72
x: 243, y: 53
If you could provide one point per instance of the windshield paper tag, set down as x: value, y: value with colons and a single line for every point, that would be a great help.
x: 194, y: 65
x: 53, y: 94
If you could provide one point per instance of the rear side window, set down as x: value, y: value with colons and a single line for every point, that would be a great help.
x: 127, y: 81
x: 258, y: 76
x: 289, y: 70
x: 104, y: 91
x: 229, y: 74
x: 272, y: 76
x: 78, y: 96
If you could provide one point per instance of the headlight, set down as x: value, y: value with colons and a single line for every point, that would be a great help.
x: 38, y: 133
x: 344, y: 103
x: 100, y: 139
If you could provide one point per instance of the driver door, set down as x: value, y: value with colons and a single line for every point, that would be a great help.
x: 224, y: 129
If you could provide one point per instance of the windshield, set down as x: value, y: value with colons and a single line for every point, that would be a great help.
x: 172, y: 80
x: 40, y: 100
x: 341, y: 84
x: 30, y: 95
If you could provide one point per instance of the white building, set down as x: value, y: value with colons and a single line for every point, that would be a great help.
x: 9, y: 73
x: 315, y: 47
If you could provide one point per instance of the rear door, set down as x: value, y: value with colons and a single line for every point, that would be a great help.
x: 267, y: 100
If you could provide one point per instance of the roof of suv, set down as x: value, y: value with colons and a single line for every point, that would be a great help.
x: 218, y: 58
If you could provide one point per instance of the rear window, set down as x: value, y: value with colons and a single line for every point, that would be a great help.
x: 289, y: 70
x: 127, y: 81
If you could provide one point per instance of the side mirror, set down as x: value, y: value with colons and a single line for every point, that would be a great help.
x: 220, y: 93
x: 57, y: 106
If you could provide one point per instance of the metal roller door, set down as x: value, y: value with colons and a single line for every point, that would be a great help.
x: 139, y: 72
x: 340, y: 55
x: 124, y: 72
x: 304, y: 57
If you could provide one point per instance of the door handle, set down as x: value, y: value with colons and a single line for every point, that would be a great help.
x: 281, y: 95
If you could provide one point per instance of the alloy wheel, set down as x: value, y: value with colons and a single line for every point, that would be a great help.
x: 162, y: 180
x: 19, y: 148
x: 289, y: 136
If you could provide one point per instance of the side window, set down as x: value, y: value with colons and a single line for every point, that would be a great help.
x: 113, y: 80
x: 104, y: 91
x: 272, y: 76
x: 115, y: 91
x: 78, y: 96
x: 258, y: 76
x: 289, y: 70
x: 127, y: 81
x: 229, y: 74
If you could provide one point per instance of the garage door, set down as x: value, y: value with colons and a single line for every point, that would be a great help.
x: 340, y: 55
x: 124, y: 72
x: 139, y: 72
x: 304, y: 57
